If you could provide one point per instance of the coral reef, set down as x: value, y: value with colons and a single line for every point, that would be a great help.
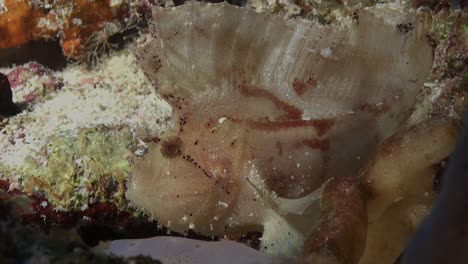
x: 445, y: 90
x: 91, y: 167
x: 82, y: 26
x: 450, y: 71
x: 70, y: 148
x: 25, y: 243
x: 329, y: 11
x: 33, y: 81
x: 18, y: 23
x: 78, y: 139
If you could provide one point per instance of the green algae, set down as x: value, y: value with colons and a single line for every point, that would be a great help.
x: 89, y: 167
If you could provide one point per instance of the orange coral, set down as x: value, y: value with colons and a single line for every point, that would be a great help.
x: 92, y: 15
x: 75, y: 20
x: 19, y: 23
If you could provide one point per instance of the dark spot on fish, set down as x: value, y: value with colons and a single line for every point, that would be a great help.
x: 356, y: 15
x: 438, y: 178
x: 405, y: 28
x: 171, y: 147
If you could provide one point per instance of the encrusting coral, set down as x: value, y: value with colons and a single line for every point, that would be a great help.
x: 32, y: 82
x: 79, y: 119
x: 89, y: 168
x: 73, y: 22
x: 18, y: 23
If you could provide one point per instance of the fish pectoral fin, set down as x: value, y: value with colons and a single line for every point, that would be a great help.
x: 301, y: 205
x: 280, y: 237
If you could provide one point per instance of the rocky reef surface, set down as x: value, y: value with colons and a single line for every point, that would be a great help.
x: 72, y: 123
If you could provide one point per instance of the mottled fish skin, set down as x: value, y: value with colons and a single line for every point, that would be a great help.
x: 443, y: 236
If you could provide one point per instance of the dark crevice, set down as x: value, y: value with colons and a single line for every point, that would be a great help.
x: 47, y: 53
x: 93, y: 233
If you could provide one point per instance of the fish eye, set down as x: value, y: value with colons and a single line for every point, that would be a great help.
x: 172, y: 147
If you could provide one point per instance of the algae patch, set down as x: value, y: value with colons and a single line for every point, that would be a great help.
x: 89, y: 167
